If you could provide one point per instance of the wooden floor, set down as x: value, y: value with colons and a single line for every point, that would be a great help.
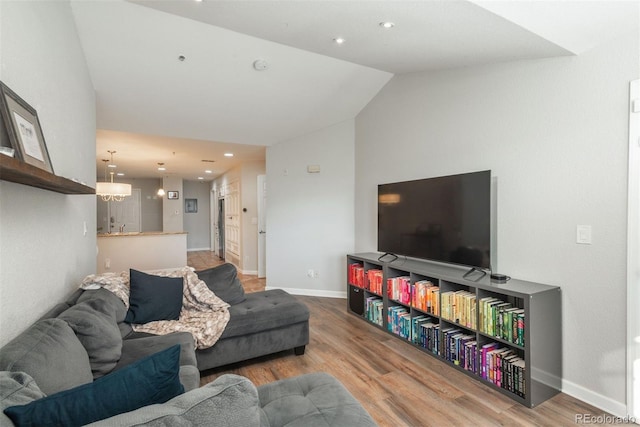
x: 398, y: 384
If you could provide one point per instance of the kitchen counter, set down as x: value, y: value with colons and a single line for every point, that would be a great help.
x: 140, y: 233
x: 149, y: 250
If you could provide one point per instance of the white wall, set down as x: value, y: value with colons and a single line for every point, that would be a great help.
x: 172, y: 209
x: 310, y: 216
x: 554, y: 132
x: 198, y: 224
x: 42, y: 61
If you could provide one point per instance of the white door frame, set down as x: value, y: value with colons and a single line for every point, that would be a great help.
x: 633, y: 255
x: 213, y: 214
x: 262, y: 225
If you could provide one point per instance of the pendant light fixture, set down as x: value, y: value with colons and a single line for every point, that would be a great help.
x: 109, y: 190
x: 161, y: 168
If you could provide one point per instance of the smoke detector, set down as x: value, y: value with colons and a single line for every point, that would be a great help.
x: 260, y: 65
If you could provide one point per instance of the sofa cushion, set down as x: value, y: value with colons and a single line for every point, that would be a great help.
x: 16, y: 388
x: 50, y: 352
x: 311, y: 400
x: 223, y: 281
x: 230, y: 400
x: 94, y: 323
x: 136, y: 348
x: 265, y: 310
x: 154, y: 298
x: 115, y: 304
x: 142, y: 344
x: 118, y: 306
x: 149, y: 381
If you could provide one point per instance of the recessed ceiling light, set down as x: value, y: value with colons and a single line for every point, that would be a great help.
x: 387, y: 24
x: 111, y: 165
x: 228, y: 154
x: 161, y: 166
x: 208, y: 171
x: 200, y: 177
x: 339, y: 40
x: 120, y: 174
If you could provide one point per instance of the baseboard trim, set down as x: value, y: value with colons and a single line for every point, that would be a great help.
x: 312, y: 292
x: 599, y: 401
x: 198, y: 249
x: 249, y: 272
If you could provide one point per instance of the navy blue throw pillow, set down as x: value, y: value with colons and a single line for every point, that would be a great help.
x: 153, y: 298
x: 153, y: 379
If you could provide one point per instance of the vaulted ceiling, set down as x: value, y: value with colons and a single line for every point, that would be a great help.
x: 182, y: 71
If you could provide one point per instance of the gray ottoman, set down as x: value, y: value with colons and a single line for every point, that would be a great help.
x: 264, y: 323
x: 310, y: 400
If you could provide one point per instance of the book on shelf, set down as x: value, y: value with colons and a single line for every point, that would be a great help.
x: 426, y: 297
x: 416, y: 323
x: 356, y: 274
x: 502, y: 320
x: 503, y: 367
x: 399, y: 321
x: 430, y: 336
x: 374, y: 280
x: 459, y: 307
x: 373, y: 310
x: 399, y: 289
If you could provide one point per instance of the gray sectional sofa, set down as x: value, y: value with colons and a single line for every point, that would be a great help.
x: 82, y: 351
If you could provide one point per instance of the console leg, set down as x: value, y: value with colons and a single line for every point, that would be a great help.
x: 299, y: 351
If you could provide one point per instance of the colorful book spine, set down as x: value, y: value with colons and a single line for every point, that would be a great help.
x: 425, y: 296
x: 430, y: 337
x: 459, y: 307
x: 503, y: 367
x: 374, y: 281
x: 356, y: 275
x: 373, y: 310
x: 399, y: 321
x: 500, y: 319
x: 399, y: 289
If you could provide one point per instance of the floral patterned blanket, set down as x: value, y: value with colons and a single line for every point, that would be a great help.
x: 203, y: 314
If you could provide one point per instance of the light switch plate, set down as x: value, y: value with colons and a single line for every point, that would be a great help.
x: 583, y: 234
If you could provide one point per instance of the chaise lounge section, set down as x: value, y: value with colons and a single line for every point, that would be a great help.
x: 84, y: 342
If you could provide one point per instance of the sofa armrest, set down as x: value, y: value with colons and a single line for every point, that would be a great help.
x: 230, y: 400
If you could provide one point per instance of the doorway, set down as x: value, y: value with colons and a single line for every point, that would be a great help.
x: 124, y: 216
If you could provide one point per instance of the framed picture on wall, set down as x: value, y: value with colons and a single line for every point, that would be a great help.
x: 173, y: 195
x: 191, y: 205
x: 23, y: 128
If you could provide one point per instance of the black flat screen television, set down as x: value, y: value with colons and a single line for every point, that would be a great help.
x: 445, y: 219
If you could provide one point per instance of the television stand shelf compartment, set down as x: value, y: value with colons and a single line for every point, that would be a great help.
x: 505, y: 335
x: 14, y: 170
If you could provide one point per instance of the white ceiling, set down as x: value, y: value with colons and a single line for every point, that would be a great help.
x: 215, y: 96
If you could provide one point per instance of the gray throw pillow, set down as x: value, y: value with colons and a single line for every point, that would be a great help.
x: 223, y: 281
x: 50, y: 352
x: 94, y: 323
x: 16, y: 388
